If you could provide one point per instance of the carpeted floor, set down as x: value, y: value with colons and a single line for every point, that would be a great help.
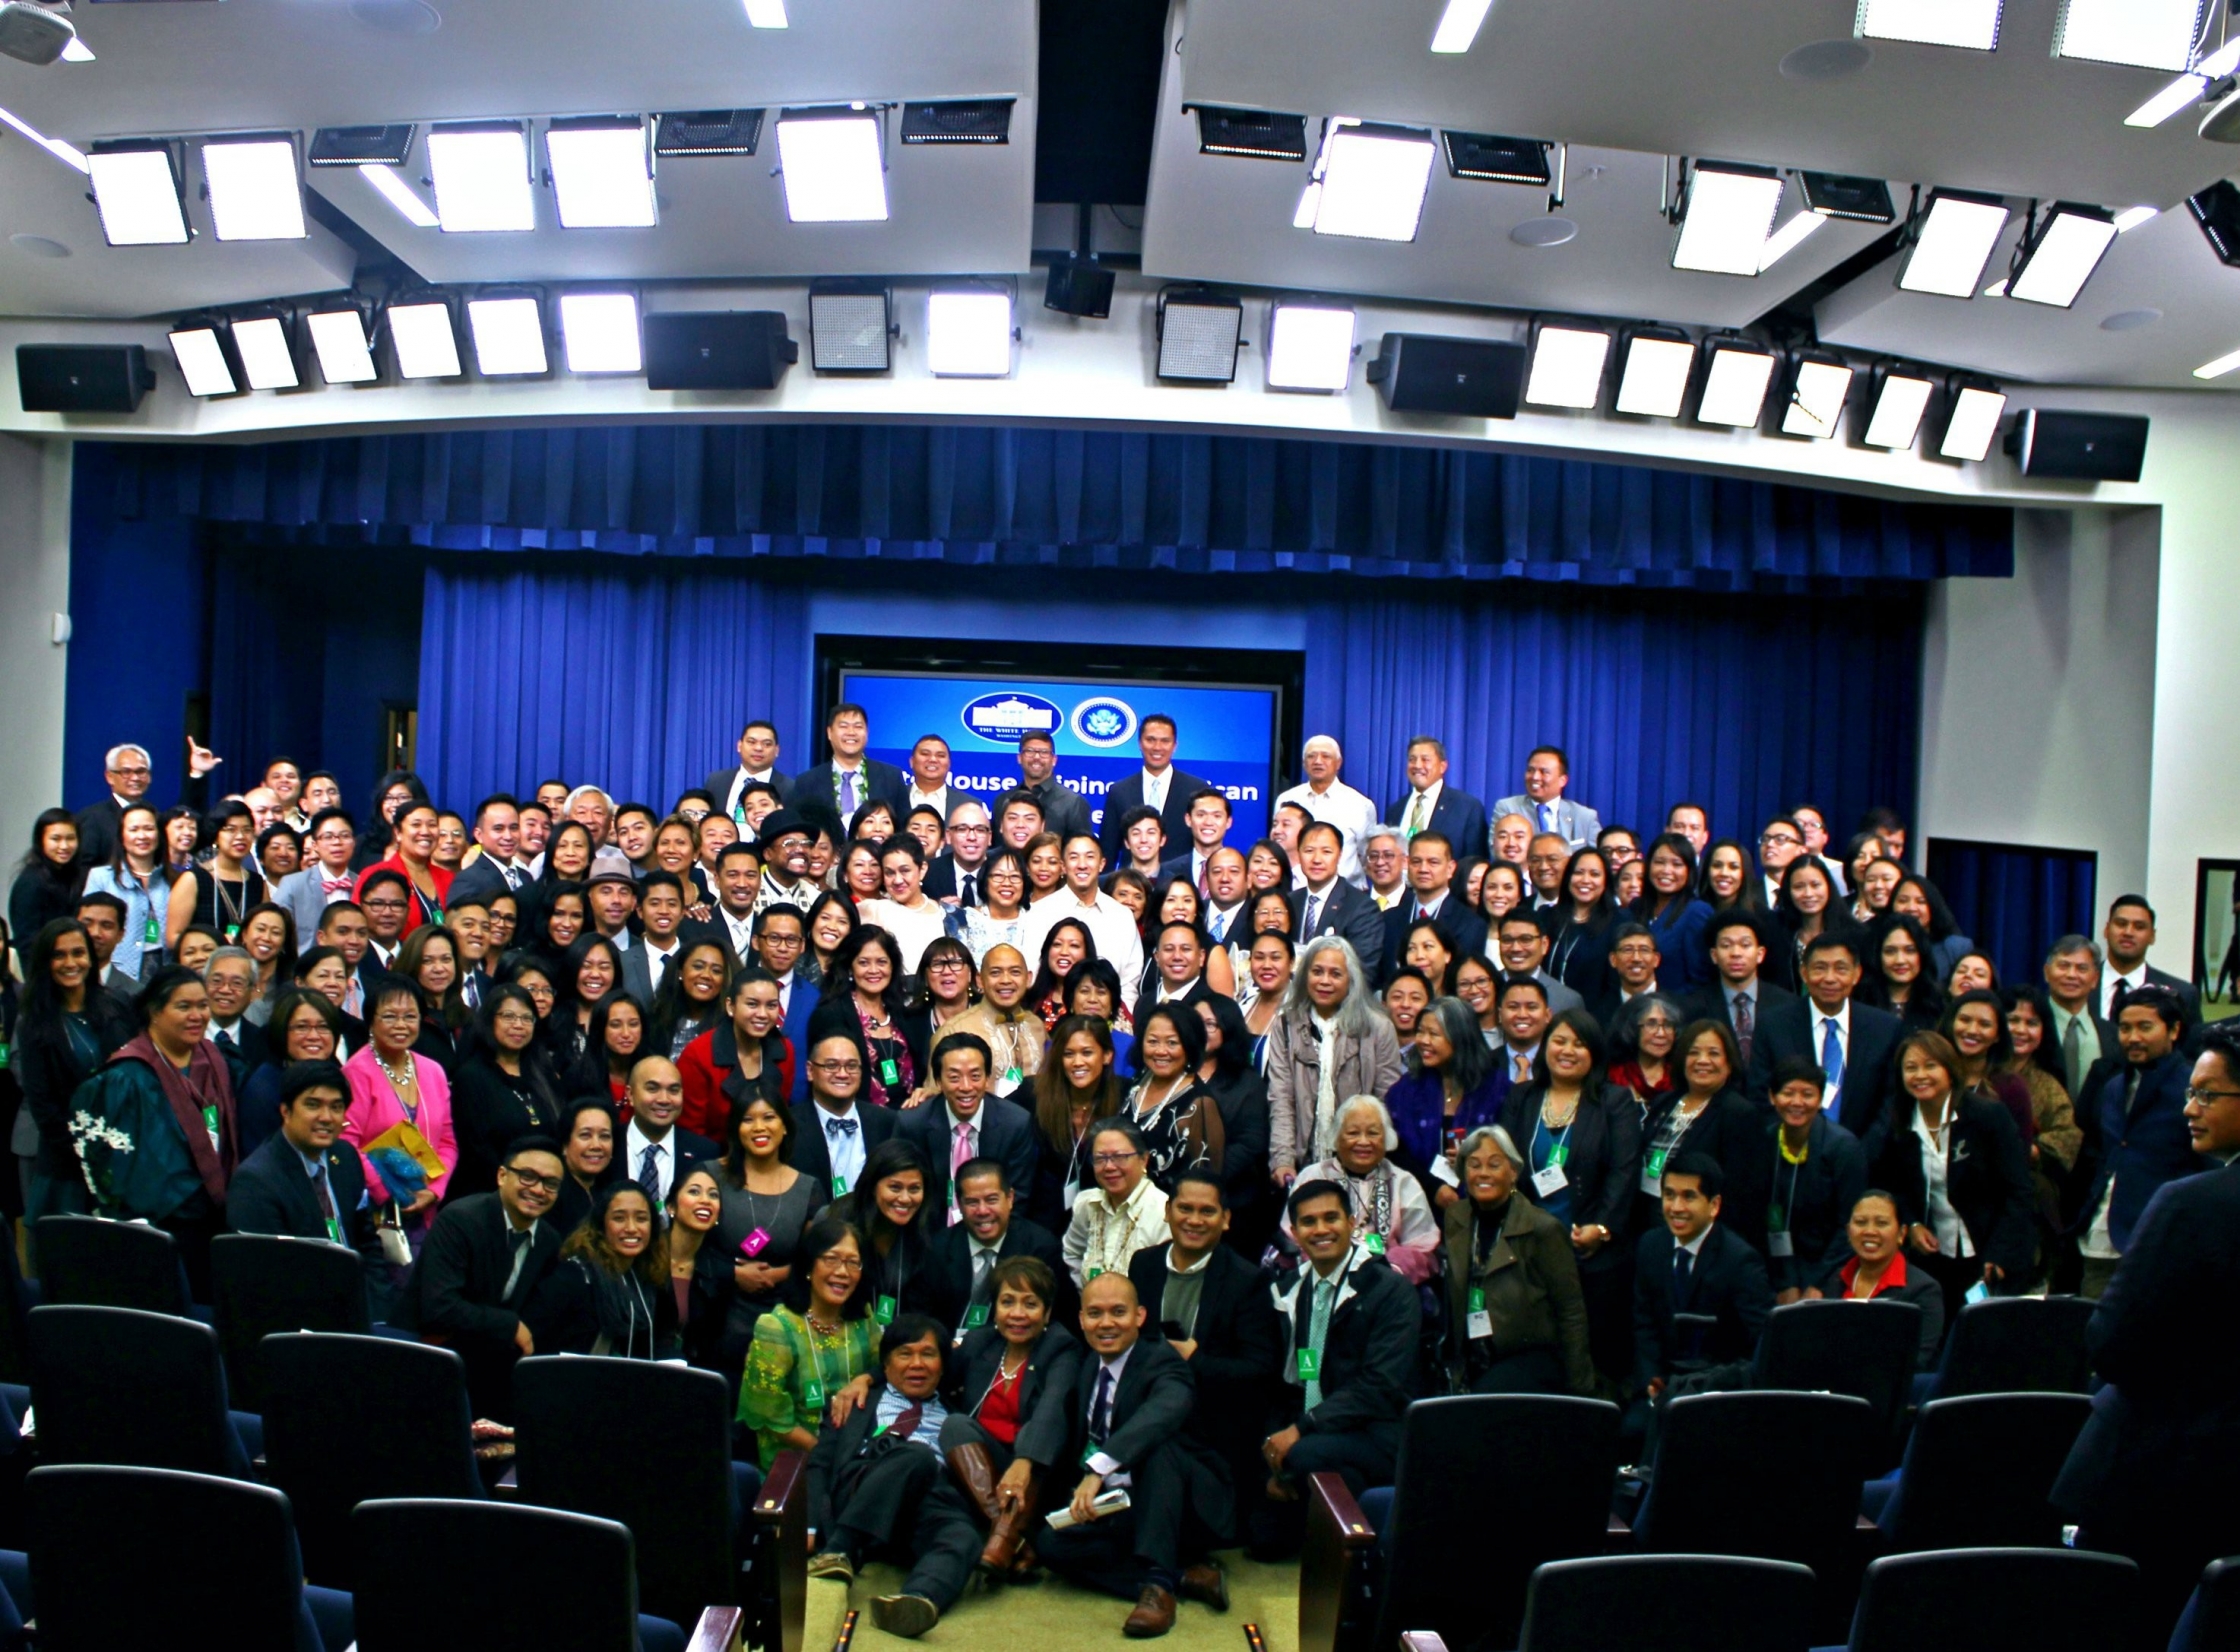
x: 1052, y: 1616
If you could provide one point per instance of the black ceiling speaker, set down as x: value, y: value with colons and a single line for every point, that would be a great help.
x: 83, y: 378
x: 717, y: 350
x: 1478, y: 378
x: 2079, y: 447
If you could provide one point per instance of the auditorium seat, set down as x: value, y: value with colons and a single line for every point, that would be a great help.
x: 1866, y: 1349
x: 1622, y: 1602
x: 146, y: 1390
x: 2211, y: 1622
x: 262, y: 1283
x: 349, y: 1418
x: 1965, y: 1600
x: 2015, y: 1345
x: 92, y: 1262
x: 781, y: 1571
x: 1979, y: 1473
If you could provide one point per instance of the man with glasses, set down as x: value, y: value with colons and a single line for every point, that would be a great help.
x: 837, y: 1134
x: 1524, y: 952
x: 780, y: 937
x: 484, y: 1257
x: 955, y: 877
x: 326, y: 877
x: 129, y: 770
x: 1779, y: 846
x: 1634, y: 960
x: 387, y: 901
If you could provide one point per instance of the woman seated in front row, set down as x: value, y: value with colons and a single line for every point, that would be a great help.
x: 610, y: 1292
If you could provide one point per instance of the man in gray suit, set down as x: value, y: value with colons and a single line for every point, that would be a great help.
x: 1524, y: 951
x: 325, y: 875
x: 758, y: 760
x: 1546, y: 772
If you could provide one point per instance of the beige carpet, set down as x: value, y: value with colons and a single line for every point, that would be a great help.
x: 1051, y: 1616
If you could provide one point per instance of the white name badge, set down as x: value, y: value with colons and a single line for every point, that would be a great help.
x: 1549, y: 1182
x: 1780, y: 1245
x: 1480, y: 1325
x: 1441, y: 1171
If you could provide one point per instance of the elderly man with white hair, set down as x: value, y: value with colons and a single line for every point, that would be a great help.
x: 1326, y: 797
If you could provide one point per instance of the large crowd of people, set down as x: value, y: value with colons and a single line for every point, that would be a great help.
x: 1135, y: 1172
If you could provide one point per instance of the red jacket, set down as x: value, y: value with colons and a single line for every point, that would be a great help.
x: 710, y: 1059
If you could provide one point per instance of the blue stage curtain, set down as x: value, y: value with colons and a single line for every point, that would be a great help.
x: 2015, y: 901
x: 639, y: 678
x: 1059, y: 498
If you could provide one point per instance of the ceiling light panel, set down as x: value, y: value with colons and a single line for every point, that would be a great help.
x: 344, y: 350
x: 1370, y: 182
x: 1970, y: 23
x: 602, y: 174
x: 2182, y: 92
x: 833, y: 167
x: 1458, y: 26
x: 968, y: 334
x: 256, y: 191
x: 399, y: 194
x: 2148, y: 34
x: 1735, y: 381
x: 600, y: 333
x: 1974, y: 424
x: 2219, y: 368
x: 482, y: 179
x: 268, y: 357
x: 1653, y: 383
x: 508, y: 336
x: 1729, y: 215
x: 137, y: 193
x: 425, y: 339
x: 1900, y: 401
x: 201, y: 356
x: 1566, y: 368
x: 2069, y: 246
x: 1817, y: 393
x: 1310, y: 347
x: 766, y: 14
x: 1957, y: 233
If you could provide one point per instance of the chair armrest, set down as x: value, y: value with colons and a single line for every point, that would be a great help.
x: 781, y: 1518
x: 1337, y: 1539
x: 718, y: 1630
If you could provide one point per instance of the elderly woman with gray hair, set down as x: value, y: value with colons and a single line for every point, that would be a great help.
x: 1332, y: 1040
x: 1390, y: 1214
x: 1517, y: 1320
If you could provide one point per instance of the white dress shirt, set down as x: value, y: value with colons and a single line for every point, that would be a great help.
x: 914, y: 928
x: 1348, y: 810
x: 1155, y: 789
x: 1832, y: 1095
x: 843, y: 1147
x: 1423, y: 805
x: 2112, y: 983
x: 635, y: 1143
x: 658, y: 961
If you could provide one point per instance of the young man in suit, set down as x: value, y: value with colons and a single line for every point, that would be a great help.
x: 301, y: 1184
x: 659, y: 947
x: 484, y: 1258
x: 1547, y: 771
x: 758, y: 761
x: 325, y: 876
x: 1351, y: 1325
x: 497, y: 870
x: 738, y: 903
x: 654, y: 1150
x: 1850, y: 1042
x: 344, y: 927
x: 1431, y: 869
x: 876, y: 1485
x: 1634, y: 962
x: 2129, y: 932
x: 964, y: 1257
x: 848, y: 780
x: 1178, y: 968
x: 1693, y: 1265
x: 1157, y: 785
x: 1740, y: 996
x: 1431, y: 805
x: 102, y: 917
x: 1206, y: 822
x: 2139, y: 1117
x: 1524, y: 951
x: 835, y: 1133
x: 1329, y: 905
x: 967, y: 1123
x: 1132, y: 1407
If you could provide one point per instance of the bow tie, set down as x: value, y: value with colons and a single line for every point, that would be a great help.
x: 839, y: 1127
x: 335, y: 886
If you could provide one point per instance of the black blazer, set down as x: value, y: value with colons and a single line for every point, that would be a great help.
x: 1046, y: 1387
x: 245, y: 1049
x: 1465, y: 931
x: 487, y: 1117
x: 1151, y: 1406
x: 836, y: 1448
x: 1349, y: 912
x: 1239, y: 1341
x: 1006, y: 1133
x: 720, y: 782
x: 1988, y: 1183
x: 807, y: 1152
x: 1245, y: 1137
x: 941, y: 879
x: 1816, y: 1198
x: 1148, y: 999
x: 948, y: 1273
x: 1710, y: 1004
x: 564, y: 1316
x: 1727, y: 1282
x: 1603, y: 1165
x: 50, y: 1073
x: 456, y: 1291
x: 1126, y: 796
x: 883, y: 781
x: 1368, y: 1354
x: 1457, y: 816
x: 271, y: 1192
x: 1785, y: 1032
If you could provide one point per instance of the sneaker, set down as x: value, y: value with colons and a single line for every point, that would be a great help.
x: 833, y: 1563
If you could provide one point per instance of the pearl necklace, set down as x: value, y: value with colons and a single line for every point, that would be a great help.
x: 398, y: 1080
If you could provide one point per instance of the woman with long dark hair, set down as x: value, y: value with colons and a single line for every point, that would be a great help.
x: 589, y: 971
x: 1075, y: 1088
x: 429, y: 959
x: 1676, y: 916
x: 690, y: 999
x: 65, y: 1029
x: 867, y: 993
x: 391, y: 793
x: 609, y: 1292
x: 1807, y: 907
x: 1578, y: 926
x: 1898, y: 974
x: 889, y: 1207
x: 47, y: 879
x: 1065, y: 949
x: 501, y: 1090
x: 613, y: 1042
x: 138, y: 878
x: 766, y: 1205
x: 1180, y: 1117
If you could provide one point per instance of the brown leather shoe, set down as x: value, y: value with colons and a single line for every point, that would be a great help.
x: 1154, y: 1614
x: 1008, y: 1533
x: 1207, y: 1584
x: 908, y: 1616
x: 975, y: 1471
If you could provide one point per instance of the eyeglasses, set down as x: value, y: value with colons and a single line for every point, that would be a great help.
x: 1776, y: 840
x: 947, y: 964
x: 382, y: 906
x: 840, y: 1264
x: 514, y: 1018
x: 2202, y: 1098
x: 1113, y: 1160
x: 838, y: 1069
x: 532, y: 1180
x: 398, y: 1018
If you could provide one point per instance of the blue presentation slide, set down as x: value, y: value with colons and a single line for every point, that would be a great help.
x: 1226, y: 735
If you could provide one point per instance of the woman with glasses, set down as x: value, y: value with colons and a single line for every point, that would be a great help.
x: 1002, y: 921
x: 1643, y: 1035
x: 812, y: 1356
x: 1013, y: 1033
x: 1122, y: 1211
x: 502, y: 1090
x: 400, y: 1113
x: 221, y: 893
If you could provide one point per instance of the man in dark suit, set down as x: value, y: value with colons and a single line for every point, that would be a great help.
x: 968, y: 1123
x: 1431, y: 869
x: 1207, y: 822
x: 2138, y: 1118
x: 653, y: 1149
x: 1328, y: 905
x: 1634, y: 962
x: 876, y: 1486
x: 231, y: 979
x: 2129, y: 932
x: 1696, y: 1266
x: 1178, y: 969
x: 484, y: 1258
x: 1850, y: 1042
x: 301, y: 1184
x: 758, y: 760
x: 1158, y: 784
x: 1212, y: 1307
x: 1431, y: 805
x: 128, y: 771
x: 848, y: 780
x: 1063, y: 810
x: 955, y: 873
x: 835, y: 1133
x: 2150, y: 1475
x: 1132, y: 1405
x: 102, y: 916
x: 1739, y: 995
x: 965, y: 1255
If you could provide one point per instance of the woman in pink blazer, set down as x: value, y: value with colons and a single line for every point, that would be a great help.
x: 389, y: 1086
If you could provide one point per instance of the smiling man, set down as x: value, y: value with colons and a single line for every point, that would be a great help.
x: 988, y: 1231
x: 303, y: 1183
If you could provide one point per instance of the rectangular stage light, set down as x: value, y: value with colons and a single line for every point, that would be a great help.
x: 1369, y: 183
x: 201, y: 355
x: 1736, y: 376
x: 508, y: 336
x: 344, y: 345
x: 602, y: 175
x: 849, y: 327
x: 2060, y: 259
x: 833, y: 165
x: 1972, y: 425
x: 1566, y: 368
x: 1955, y: 238
x: 1653, y: 379
x: 1310, y: 347
x: 137, y: 191
x: 600, y: 333
x: 1818, y: 387
x: 1730, y: 212
x: 267, y: 352
x: 1901, y: 399
x: 1199, y: 331
x: 256, y: 191
x: 2147, y: 34
x: 482, y: 180
x: 1489, y: 158
x: 1256, y: 134
x: 1970, y: 23
x: 425, y: 336
x: 968, y: 334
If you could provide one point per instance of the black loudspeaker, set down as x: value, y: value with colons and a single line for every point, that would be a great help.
x: 83, y: 378
x: 1421, y: 374
x: 717, y: 350
x: 2080, y: 447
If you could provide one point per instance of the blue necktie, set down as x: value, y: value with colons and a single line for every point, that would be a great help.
x: 1682, y: 1264
x: 1547, y: 817
x: 1831, y: 1055
x: 1100, y: 1408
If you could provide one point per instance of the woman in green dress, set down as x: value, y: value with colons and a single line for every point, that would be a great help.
x: 813, y: 1359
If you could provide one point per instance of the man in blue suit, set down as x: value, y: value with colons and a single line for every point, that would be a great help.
x: 1431, y: 805
x: 2140, y: 1114
x: 847, y: 780
x: 1546, y: 772
x: 968, y: 1123
x: 305, y: 1182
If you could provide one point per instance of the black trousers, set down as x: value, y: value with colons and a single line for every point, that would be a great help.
x: 1527, y: 1371
x: 875, y: 1498
x: 1178, y: 1508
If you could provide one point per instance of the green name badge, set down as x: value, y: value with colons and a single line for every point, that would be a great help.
x: 884, y: 1312
x: 1558, y: 1154
x: 152, y: 933
x: 890, y: 1072
x: 1375, y: 1242
x: 1091, y: 1274
x: 976, y: 1316
x: 839, y: 1187
x: 1310, y: 1365
x: 1011, y: 1075
x: 813, y: 1396
x: 233, y: 933
x: 1477, y: 1300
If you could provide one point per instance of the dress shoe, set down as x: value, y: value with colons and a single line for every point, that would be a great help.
x: 1154, y: 1614
x: 906, y: 1615
x: 1207, y: 1584
x: 833, y: 1563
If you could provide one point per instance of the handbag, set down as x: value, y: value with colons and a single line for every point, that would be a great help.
x: 389, y: 1229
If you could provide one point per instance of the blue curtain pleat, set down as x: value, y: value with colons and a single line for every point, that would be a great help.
x: 2015, y: 901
